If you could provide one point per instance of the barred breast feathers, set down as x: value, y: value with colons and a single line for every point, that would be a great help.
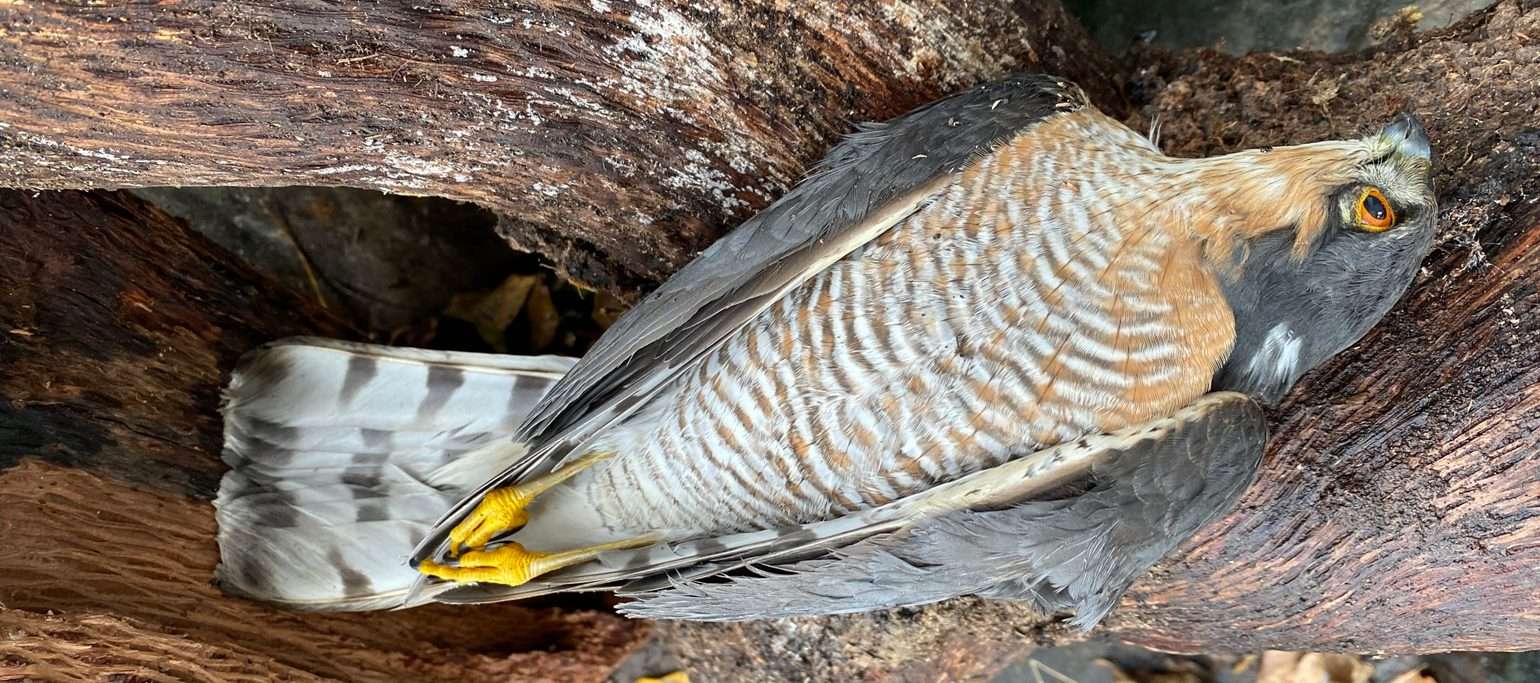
x: 1064, y: 284
x: 1035, y: 300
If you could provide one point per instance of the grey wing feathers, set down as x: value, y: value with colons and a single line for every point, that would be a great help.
x: 879, y: 163
x: 867, y: 183
x: 662, y: 564
x: 1078, y: 552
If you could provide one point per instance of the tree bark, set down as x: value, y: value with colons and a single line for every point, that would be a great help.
x: 1397, y: 510
x: 618, y: 137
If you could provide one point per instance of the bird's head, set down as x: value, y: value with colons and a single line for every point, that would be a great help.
x: 1361, y: 225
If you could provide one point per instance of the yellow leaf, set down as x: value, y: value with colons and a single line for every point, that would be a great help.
x: 492, y: 311
x: 1312, y: 667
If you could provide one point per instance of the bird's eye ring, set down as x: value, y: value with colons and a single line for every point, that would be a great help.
x: 1374, y: 212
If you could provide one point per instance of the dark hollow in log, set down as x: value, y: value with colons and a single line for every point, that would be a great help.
x: 116, y: 325
x: 1397, y: 510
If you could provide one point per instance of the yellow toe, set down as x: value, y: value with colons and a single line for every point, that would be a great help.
x: 509, y: 565
x: 501, y: 511
x: 676, y: 677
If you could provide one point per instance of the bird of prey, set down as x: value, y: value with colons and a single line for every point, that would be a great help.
x: 1001, y: 345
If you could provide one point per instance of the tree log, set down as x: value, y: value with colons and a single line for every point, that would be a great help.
x: 1397, y: 510
x: 617, y: 137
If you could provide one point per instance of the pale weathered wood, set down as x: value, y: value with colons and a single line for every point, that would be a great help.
x: 617, y: 137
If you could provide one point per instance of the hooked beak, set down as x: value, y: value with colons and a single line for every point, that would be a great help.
x: 1406, y: 133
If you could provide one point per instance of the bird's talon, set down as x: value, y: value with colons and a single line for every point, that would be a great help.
x: 501, y: 511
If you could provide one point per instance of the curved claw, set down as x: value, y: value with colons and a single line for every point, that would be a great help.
x: 502, y: 510
x: 513, y: 565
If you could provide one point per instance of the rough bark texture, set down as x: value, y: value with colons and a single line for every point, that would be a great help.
x: 1398, y: 507
x: 117, y: 324
x: 617, y: 137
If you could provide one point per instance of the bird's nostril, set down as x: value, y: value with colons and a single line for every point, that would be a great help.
x: 1409, y: 136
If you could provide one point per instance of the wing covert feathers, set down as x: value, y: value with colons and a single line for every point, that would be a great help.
x: 1174, y: 473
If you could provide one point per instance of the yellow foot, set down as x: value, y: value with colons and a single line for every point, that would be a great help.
x: 676, y: 677
x: 502, y: 510
x: 512, y: 565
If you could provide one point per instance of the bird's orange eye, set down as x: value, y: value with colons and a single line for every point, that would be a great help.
x: 1374, y: 212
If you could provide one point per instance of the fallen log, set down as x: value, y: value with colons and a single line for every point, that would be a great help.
x: 1396, y: 513
x: 1398, y: 510
x: 617, y: 137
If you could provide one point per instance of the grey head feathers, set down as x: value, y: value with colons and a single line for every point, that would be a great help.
x: 1292, y: 315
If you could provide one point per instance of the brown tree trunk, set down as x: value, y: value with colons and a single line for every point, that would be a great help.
x: 1397, y: 510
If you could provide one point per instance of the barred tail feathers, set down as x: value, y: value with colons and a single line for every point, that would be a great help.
x: 343, y: 456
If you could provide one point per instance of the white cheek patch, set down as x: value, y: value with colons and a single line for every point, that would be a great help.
x: 1278, y: 358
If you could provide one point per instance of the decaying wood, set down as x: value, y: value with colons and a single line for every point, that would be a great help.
x: 618, y: 137
x: 116, y: 325
x: 1397, y: 511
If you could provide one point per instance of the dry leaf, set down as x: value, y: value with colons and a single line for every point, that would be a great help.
x: 607, y: 308
x: 541, y: 317
x: 1244, y: 663
x: 1121, y: 676
x: 1312, y: 667
x: 1042, y: 673
x: 1118, y: 675
x: 491, y: 312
